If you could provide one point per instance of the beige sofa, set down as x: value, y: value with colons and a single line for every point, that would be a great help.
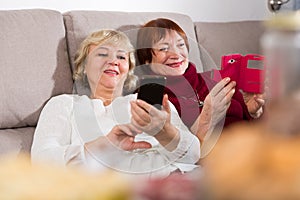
x: 38, y: 46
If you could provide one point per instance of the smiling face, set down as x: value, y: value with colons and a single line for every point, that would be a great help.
x: 170, y: 55
x: 107, y: 67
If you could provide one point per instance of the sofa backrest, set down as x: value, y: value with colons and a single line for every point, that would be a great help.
x: 38, y: 47
x: 80, y: 23
x: 221, y: 38
x: 33, y: 64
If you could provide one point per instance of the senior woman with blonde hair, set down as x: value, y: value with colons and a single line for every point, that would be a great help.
x: 109, y: 130
x: 99, y: 37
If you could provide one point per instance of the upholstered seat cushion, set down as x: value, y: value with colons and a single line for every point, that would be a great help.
x: 16, y: 141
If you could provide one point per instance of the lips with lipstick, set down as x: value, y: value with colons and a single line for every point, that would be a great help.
x: 111, y: 72
x: 175, y: 65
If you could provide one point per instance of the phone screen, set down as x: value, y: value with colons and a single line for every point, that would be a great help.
x: 151, y: 89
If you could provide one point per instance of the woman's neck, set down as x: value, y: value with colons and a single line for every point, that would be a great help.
x: 106, y: 95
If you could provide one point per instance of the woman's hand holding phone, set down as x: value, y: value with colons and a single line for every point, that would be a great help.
x: 215, y: 107
x: 155, y: 122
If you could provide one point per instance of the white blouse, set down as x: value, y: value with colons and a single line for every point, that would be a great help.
x: 67, y: 122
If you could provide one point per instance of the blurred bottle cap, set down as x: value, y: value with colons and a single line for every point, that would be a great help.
x: 289, y: 21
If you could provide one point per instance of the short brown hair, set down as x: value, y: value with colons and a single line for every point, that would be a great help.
x: 152, y: 32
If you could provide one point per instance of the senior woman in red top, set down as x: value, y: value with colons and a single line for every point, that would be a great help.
x: 201, y: 102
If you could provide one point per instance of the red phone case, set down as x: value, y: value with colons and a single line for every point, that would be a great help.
x: 248, y: 71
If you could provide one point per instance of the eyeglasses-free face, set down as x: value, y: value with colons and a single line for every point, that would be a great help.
x: 170, y: 55
x: 107, y: 67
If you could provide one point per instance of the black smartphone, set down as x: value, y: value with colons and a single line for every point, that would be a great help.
x: 151, y: 89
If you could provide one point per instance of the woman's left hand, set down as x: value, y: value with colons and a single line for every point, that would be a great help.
x: 254, y: 103
x: 147, y: 118
x: 155, y: 122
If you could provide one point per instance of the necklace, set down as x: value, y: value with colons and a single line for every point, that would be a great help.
x: 198, y: 101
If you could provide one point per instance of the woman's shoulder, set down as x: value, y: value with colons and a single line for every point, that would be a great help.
x: 64, y: 97
x: 67, y: 99
x: 128, y: 97
x: 65, y: 103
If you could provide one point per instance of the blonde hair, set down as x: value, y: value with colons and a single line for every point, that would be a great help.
x: 106, y: 36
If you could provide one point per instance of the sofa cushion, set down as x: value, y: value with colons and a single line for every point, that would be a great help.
x: 220, y: 38
x: 16, y: 141
x: 80, y: 23
x: 33, y: 62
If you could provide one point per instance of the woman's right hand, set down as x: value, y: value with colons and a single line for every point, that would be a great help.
x: 215, y: 107
x: 123, y: 135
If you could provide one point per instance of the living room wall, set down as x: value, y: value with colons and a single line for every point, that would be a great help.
x: 198, y: 10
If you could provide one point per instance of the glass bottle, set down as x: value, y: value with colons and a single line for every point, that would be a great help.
x: 281, y: 46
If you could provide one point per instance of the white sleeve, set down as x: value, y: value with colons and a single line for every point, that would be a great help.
x: 53, y: 134
x: 156, y: 158
x: 53, y: 142
x: 188, y: 148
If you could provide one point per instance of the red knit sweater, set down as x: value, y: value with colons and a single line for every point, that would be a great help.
x: 182, y: 93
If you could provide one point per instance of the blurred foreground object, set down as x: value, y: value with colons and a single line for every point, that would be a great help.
x: 281, y: 47
x: 261, y: 160
x: 177, y: 186
x: 250, y: 163
x: 19, y: 180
